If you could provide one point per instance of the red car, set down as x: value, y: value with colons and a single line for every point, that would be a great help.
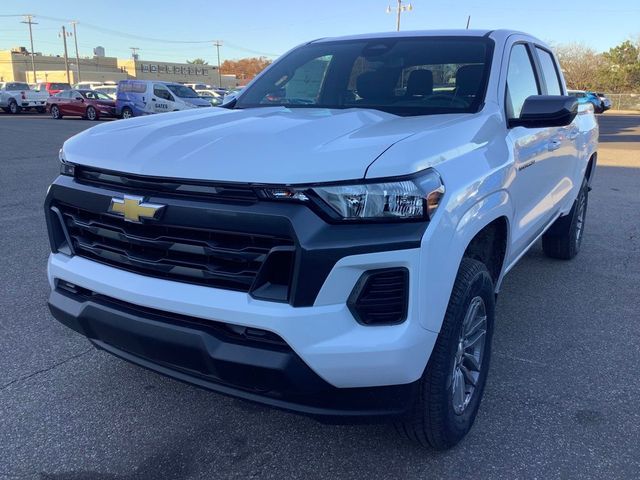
x: 52, y: 87
x: 88, y: 104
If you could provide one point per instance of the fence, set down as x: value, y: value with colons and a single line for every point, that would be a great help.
x: 624, y: 101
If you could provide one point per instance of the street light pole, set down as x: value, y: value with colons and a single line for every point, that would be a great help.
x: 75, y: 39
x: 218, y: 44
x: 28, y: 19
x: 399, y: 9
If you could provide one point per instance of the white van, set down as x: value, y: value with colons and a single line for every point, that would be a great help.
x: 144, y: 97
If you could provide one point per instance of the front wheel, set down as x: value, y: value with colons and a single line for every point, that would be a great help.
x: 451, y: 387
x: 564, y: 237
x: 55, y: 112
x: 14, y: 108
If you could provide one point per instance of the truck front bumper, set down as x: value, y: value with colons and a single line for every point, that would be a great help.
x: 316, y: 361
x: 325, y: 336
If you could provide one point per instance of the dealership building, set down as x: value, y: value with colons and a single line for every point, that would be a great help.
x: 15, y: 66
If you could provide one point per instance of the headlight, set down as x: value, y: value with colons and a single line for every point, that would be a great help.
x: 415, y: 198
x: 66, y: 168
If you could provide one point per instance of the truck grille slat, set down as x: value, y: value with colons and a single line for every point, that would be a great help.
x: 222, y: 259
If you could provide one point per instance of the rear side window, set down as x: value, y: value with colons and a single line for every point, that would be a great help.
x: 521, y: 80
x: 550, y: 73
x: 133, y: 87
x: 17, y: 86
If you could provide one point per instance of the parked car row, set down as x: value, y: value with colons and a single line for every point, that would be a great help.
x: 128, y: 98
x: 599, y: 101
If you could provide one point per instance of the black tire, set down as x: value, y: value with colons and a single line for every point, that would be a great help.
x: 564, y: 237
x: 91, y: 114
x: 41, y: 109
x: 433, y: 420
x: 55, y: 112
x: 127, y: 112
x: 14, y: 108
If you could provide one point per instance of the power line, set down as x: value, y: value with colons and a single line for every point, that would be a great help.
x: 156, y: 40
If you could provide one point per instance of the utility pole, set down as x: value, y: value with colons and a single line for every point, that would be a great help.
x: 468, y: 21
x: 399, y: 9
x: 218, y: 44
x: 134, y: 52
x: 28, y: 19
x: 75, y: 39
x: 66, y: 55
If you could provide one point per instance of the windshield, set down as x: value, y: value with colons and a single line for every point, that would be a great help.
x: 95, y: 95
x: 404, y: 76
x: 182, y: 91
x: 59, y: 86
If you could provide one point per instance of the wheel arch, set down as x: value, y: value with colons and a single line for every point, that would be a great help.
x: 591, y: 168
x: 488, y: 218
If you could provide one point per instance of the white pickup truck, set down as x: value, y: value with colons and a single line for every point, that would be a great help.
x: 333, y: 241
x: 16, y: 96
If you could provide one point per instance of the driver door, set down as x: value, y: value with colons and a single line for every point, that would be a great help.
x: 76, y: 104
x: 162, y: 99
x: 535, y: 162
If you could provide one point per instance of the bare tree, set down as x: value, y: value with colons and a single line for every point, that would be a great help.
x: 583, y: 67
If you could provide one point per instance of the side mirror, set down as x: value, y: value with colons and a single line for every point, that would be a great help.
x: 540, y: 111
x: 79, y: 98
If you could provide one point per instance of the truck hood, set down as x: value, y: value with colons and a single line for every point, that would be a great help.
x: 258, y: 145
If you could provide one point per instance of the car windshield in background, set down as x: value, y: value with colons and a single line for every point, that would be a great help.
x: 94, y: 95
x: 403, y: 76
x: 60, y: 86
x: 182, y: 91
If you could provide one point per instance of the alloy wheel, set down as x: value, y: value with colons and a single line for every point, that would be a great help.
x: 469, y: 355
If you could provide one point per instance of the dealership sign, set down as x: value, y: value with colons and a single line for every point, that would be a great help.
x: 174, y: 69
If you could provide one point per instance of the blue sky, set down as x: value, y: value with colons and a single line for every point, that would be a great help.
x: 253, y: 27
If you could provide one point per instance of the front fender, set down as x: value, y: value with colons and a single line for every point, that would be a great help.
x: 443, y: 247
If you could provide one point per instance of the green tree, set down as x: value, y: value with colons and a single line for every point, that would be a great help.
x: 624, y: 67
x: 197, y: 61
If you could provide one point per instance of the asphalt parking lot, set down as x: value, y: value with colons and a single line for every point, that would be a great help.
x: 561, y: 401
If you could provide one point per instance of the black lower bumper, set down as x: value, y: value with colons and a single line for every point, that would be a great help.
x: 250, y: 364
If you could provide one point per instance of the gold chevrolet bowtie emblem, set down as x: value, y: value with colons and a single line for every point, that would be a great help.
x: 134, y: 208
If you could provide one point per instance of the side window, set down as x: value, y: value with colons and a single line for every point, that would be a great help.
x: 550, y: 72
x: 521, y: 80
x: 162, y: 93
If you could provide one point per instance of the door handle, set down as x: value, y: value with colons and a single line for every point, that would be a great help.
x: 153, y: 99
x: 554, y: 144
